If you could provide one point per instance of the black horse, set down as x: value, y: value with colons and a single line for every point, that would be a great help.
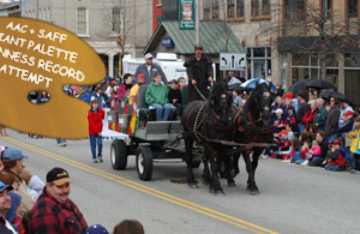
x: 254, y: 126
x: 205, y: 121
x: 210, y: 122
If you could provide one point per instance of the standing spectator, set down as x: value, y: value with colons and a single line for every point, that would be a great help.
x: 354, y: 137
x: 5, y: 204
x: 54, y: 212
x: 321, y: 114
x: 303, y: 108
x: 95, y: 118
x: 238, y: 102
x: 332, y: 120
x: 156, y: 97
x: 129, y: 227
x: 199, y: 71
x: 149, y: 69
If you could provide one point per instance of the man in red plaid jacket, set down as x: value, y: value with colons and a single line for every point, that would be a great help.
x: 54, y: 212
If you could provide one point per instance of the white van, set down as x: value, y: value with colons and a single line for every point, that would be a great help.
x: 170, y: 64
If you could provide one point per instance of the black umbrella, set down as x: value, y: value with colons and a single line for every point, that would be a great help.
x: 328, y: 93
x: 319, y: 84
x: 298, y: 87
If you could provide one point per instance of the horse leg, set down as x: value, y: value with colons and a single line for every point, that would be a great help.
x: 251, y: 186
x: 215, y: 185
x: 206, y: 173
x: 189, y: 159
x: 255, y: 160
x: 229, y: 168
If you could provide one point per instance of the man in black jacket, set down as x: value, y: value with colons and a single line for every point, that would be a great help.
x: 303, y: 109
x: 199, y: 72
x: 332, y: 120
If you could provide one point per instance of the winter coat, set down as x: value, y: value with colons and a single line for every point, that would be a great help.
x: 332, y: 121
x: 336, y: 158
x: 320, y: 118
x: 200, y: 71
x: 303, y: 109
x: 95, y: 119
x: 156, y: 94
x: 174, y: 94
x: 155, y: 68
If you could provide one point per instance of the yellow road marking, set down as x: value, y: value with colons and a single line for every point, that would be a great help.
x: 240, y: 223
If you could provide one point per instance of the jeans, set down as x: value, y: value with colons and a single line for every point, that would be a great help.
x: 96, y: 140
x: 332, y: 167
x: 163, y: 111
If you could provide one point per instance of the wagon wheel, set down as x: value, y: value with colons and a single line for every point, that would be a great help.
x: 118, y: 155
x: 144, y: 163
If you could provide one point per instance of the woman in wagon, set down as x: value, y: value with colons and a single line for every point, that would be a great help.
x: 156, y: 97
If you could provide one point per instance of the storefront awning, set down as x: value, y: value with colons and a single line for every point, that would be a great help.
x: 215, y: 37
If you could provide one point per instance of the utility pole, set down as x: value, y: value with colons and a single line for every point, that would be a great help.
x: 197, y: 23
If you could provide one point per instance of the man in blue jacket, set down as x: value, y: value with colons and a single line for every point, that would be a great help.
x: 149, y: 69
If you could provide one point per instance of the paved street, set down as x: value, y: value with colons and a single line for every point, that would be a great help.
x: 293, y: 199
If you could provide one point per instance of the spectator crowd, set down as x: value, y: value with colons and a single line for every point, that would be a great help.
x: 30, y: 206
x: 315, y: 131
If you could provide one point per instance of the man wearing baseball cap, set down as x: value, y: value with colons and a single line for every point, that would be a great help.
x: 149, y: 68
x: 5, y: 205
x: 54, y: 212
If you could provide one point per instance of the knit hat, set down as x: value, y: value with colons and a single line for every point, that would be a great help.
x: 96, y: 229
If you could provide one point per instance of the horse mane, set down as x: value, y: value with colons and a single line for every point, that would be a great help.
x: 218, y: 89
x: 252, y: 104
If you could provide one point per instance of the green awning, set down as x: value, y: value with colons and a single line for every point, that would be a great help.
x: 215, y: 37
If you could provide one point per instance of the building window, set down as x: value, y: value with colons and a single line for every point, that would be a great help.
x: 294, y: 9
x: 259, y: 62
x: 235, y: 9
x: 352, y: 8
x: 326, y: 6
x: 260, y: 8
x: 116, y: 21
x: 82, y: 21
x: 215, y: 9
x: 211, y: 9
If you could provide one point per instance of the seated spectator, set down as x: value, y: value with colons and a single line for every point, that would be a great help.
x: 54, y: 212
x: 313, y: 153
x: 156, y: 97
x: 317, y: 161
x: 335, y: 160
x: 184, y: 91
x: 279, y: 121
x: 174, y: 97
x: 129, y: 227
x: 5, y: 205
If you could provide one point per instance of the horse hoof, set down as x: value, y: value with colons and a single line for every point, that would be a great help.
x: 253, y: 191
x: 193, y: 184
x: 216, y: 191
x: 231, y: 184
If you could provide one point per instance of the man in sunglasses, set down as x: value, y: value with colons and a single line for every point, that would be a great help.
x: 54, y: 212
